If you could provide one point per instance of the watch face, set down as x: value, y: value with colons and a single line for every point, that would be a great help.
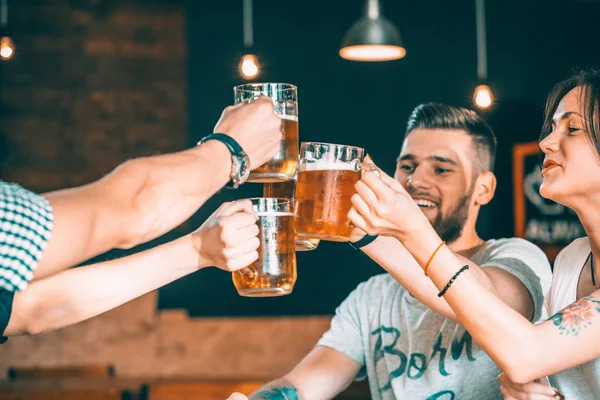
x: 240, y: 169
x: 244, y: 167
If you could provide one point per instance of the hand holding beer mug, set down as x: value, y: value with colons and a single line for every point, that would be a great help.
x: 283, y: 166
x: 228, y: 238
x: 327, y: 174
x: 381, y: 206
x: 287, y: 190
x: 255, y: 127
x: 274, y: 272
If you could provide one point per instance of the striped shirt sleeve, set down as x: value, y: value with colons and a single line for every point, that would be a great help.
x: 26, y: 221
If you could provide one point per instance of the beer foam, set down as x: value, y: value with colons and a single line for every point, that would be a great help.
x: 288, y: 117
x: 327, y: 165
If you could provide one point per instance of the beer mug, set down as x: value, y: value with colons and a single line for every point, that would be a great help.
x: 274, y: 273
x: 285, y: 98
x: 327, y: 174
x: 286, y: 190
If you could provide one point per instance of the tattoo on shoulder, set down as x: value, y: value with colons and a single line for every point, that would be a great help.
x: 573, y: 318
x: 276, y: 393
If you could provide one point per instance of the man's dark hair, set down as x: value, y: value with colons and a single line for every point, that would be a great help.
x: 444, y: 116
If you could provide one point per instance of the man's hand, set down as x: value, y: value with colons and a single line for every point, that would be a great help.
x: 381, y: 206
x: 228, y: 238
x: 255, y: 127
x: 238, y: 396
x: 531, y: 390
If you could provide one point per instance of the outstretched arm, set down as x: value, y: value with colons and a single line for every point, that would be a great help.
x: 147, y: 197
x: 228, y: 239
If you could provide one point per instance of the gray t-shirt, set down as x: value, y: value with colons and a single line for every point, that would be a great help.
x: 411, y: 352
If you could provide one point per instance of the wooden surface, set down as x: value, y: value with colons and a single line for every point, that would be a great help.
x: 100, y: 389
x: 81, y: 394
x: 75, y: 371
x: 173, y: 390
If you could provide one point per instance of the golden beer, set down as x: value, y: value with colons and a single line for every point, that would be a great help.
x: 274, y: 273
x: 283, y: 166
x: 323, y: 202
x: 327, y: 174
x: 283, y: 190
x: 286, y: 190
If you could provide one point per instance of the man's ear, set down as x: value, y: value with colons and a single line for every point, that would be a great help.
x: 485, y: 188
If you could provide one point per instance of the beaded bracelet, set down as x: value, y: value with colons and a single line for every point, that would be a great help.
x: 445, y: 289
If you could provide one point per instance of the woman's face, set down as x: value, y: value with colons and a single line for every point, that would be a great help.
x: 571, y: 164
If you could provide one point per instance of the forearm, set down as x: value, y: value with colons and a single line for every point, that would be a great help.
x: 174, y: 187
x: 392, y: 256
x: 137, y: 202
x: 503, y: 333
x: 321, y: 375
x: 81, y: 293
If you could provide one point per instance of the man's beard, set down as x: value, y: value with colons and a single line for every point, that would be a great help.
x: 449, y: 226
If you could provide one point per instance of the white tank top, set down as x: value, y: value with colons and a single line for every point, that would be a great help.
x: 581, y: 382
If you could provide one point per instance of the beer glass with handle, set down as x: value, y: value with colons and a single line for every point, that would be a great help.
x: 285, y: 98
x: 327, y: 174
x: 274, y: 273
x: 286, y: 190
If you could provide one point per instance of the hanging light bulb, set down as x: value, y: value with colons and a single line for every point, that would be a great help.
x: 249, y: 66
x: 483, y: 96
x: 7, y: 47
x: 372, y: 38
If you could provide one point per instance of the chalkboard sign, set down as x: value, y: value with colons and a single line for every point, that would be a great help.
x: 550, y: 225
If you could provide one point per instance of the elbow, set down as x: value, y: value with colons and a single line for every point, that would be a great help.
x: 33, y: 314
x: 518, y: 375
x: 26, y: 320
x: 33, y: 328
x: 34, y: 321
x: 521, y: 368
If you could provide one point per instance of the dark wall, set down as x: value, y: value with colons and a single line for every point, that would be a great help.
x: 532, y: 45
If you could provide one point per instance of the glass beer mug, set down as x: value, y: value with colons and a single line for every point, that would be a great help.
x: 286, y: 190
x: 327, y: 174
x: 274, y: 273
x: 285, y: 99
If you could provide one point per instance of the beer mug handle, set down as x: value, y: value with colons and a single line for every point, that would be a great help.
x: 249, y: 100
x: 247, y: 272
x: 368, y: 167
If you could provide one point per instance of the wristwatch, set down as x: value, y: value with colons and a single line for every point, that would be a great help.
x: 240, y: 162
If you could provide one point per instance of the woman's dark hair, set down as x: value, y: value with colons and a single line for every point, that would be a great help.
x: 589, y: 81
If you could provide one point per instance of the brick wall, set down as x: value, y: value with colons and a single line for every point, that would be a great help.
x: 92, y: 84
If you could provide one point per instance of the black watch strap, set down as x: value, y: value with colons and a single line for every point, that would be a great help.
x: 233, y: 146
x: 363, y: 242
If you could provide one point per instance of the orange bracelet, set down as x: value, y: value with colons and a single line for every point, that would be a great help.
x: 431, y: 258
